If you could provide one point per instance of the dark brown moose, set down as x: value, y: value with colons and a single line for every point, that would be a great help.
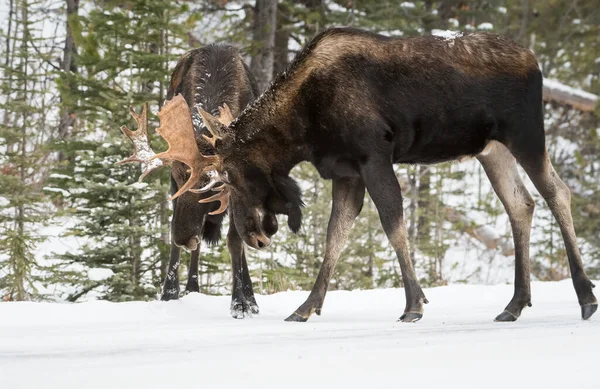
x: 354, y: 103
x: 209, y: 77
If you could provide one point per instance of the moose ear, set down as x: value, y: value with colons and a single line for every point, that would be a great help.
x: 287, y: 200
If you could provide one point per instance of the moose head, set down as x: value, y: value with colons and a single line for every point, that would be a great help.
x: 255, y: 189
x: 255, y: 224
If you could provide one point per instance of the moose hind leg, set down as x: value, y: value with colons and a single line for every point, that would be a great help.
x: 501, y: 168
x: 558, y: 197
x: 348, y: 196
x: 170, y: 289
x: 385, y: 191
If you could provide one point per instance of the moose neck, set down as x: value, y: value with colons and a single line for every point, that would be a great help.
x: 270, y: 133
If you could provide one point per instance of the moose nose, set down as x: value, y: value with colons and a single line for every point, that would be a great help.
x: 191, y: 244
x: 261, y: 241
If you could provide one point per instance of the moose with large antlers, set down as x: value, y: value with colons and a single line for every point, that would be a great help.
x: 215, y: 78
x: 354, y: 103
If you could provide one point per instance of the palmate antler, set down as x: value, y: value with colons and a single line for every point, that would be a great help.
x: 177, y: 129
x: 141, y: 145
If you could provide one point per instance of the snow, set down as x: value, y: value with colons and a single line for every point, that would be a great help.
x: 356, y: 343
x: 57, y: 190
x: 60, y: 176
x: 567, y: 89
x: 99, y: 274
x: 485, y: 26
x: 446, y: 34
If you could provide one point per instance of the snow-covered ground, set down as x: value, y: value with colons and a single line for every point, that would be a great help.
x: 357, y: 343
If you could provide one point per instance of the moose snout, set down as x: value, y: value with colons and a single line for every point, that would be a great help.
x: 259, y: 241
x: 190, y: 244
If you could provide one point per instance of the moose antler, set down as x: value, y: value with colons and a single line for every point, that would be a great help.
x: 222, y: 195
x: 142, y: 151
x: 178, y: 130
x: 225, y: 118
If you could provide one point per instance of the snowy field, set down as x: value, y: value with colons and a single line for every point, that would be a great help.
x: 357, y: 343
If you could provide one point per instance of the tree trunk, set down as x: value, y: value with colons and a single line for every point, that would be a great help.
x: 282, y: 37
x: 265, y: 23
x: 67, y: 116
x: 565, y: 95
x: 19, y: 252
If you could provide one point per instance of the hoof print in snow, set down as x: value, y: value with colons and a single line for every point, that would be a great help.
x: 588, y: 310
x: 297, y: 318
x: 410, y: 317
x: 506, y: 316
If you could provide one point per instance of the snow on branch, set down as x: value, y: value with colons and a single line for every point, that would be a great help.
x: 566, y: 95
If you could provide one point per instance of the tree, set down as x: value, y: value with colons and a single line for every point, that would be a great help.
x: 124, y: 223
x: 25, y: 105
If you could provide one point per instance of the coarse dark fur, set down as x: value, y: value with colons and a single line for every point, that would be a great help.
x: 354, y: 103
x: 209, y: 77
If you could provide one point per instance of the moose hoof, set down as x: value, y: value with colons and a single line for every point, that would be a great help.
x: 588, y: 310
x: 169, y: 294
x: 410, y: 317
x: 192, y: 289
x: 296, y: 317
x: 506, y: 316
x: 243, y: 309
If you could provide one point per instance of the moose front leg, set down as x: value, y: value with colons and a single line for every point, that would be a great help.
x: 348, y: 195
x: 192, y: 281
x: 384, y: 189
x: 247, y: 284
x: 243, y: 303
x: 170, y: 290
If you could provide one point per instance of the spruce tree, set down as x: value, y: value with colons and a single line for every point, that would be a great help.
x: 24, y: 159
x: 124, y: 59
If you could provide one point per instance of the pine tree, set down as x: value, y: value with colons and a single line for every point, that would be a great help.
x: 24, y: 159
x: 123, y: 222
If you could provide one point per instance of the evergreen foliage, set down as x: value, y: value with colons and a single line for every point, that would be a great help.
x: 60, y: 138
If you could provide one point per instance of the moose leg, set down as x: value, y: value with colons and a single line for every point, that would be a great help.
x: 348, y: 195
x: 385, y: 191
x: 192, y: 282
x: 558, y: 197
x: 170, y: 290
x: 247, y: 284
x: 241, y: 305
x: 501, y: 168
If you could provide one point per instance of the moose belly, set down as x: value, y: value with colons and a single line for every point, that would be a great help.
x: 331, y: 167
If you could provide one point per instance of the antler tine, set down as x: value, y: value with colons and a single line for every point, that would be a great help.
x: 225, y: 115
x: 214, y: 180
x: 222, y: 196
x: 214, y: 136
x: 141, y: 145
x: 178, y: 130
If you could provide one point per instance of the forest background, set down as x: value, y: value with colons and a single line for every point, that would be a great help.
x: 74, y: 226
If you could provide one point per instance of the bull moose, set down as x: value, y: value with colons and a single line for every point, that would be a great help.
x: 207, y: 77
x: 354, y: 103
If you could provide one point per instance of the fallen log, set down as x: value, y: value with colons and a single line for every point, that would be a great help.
x: 484, y: 234
x: 555, y: 91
